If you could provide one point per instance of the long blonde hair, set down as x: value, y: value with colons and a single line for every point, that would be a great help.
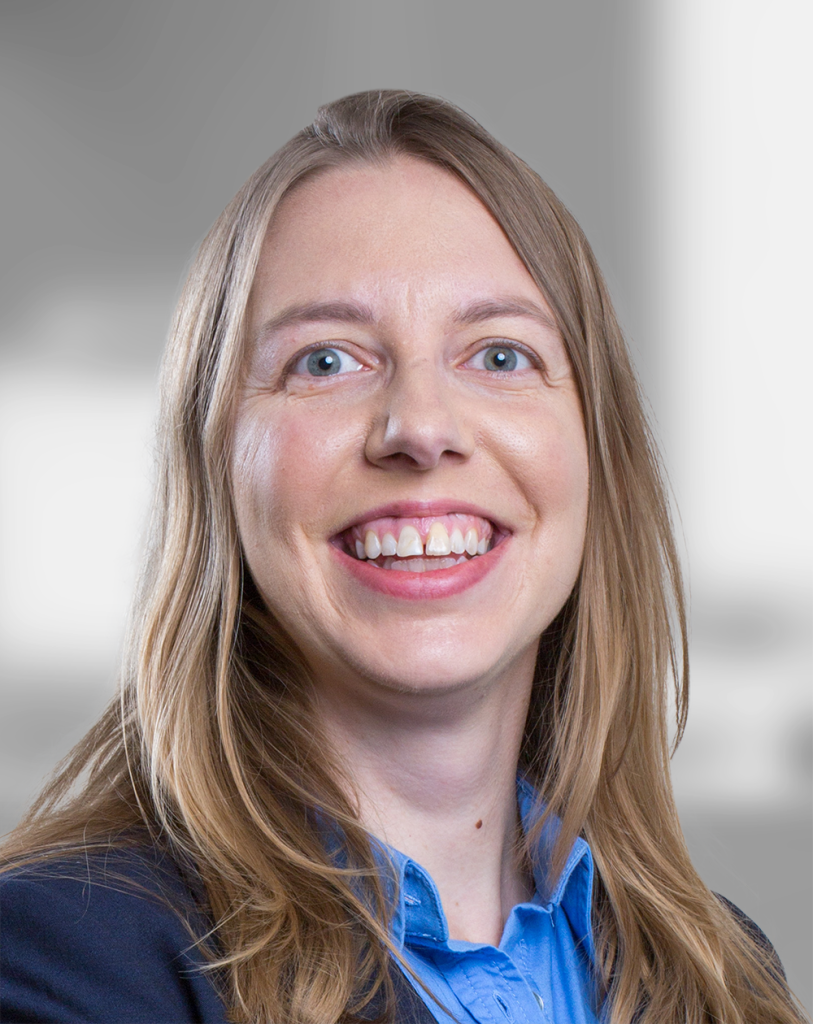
x: 210, y: 748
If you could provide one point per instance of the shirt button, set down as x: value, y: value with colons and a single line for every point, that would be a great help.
x: 540, y: 1000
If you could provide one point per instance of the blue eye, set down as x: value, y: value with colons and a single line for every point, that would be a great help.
x: 500, y: 358
x: 324, y: 362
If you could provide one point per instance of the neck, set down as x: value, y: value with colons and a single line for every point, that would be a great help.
x: 434, y: 776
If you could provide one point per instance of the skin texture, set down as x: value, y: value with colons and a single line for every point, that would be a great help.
x: 424, y: 698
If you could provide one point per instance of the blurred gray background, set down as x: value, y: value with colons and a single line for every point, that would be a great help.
x: 673, y: 131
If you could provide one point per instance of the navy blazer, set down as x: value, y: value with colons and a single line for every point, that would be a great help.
x: 97, y: 940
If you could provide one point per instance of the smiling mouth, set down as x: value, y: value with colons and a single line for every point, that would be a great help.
x: 420, y: 544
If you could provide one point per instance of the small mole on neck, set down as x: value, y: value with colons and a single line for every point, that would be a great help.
x: 479, y: 823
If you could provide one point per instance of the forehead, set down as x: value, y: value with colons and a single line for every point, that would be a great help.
x: 406, y: 230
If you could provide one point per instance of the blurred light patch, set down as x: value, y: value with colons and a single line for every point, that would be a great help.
x: 736, y: 215
x: 749, y: 739
x: 77, y: 407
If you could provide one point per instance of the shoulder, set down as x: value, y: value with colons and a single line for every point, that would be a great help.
x: 752, y: 929
x: 102, y: 938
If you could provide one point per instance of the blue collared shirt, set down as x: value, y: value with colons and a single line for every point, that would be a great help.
x: 542, y: 970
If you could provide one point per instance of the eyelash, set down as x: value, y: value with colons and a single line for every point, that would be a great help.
x: 300, y: 360
x: 508, y: 346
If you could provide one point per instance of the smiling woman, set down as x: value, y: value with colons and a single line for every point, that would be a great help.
x: 391, y: 741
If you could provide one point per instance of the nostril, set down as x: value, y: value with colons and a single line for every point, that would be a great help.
x: 417, y: 460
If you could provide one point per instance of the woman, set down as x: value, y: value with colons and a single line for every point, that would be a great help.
x: 392, y: 736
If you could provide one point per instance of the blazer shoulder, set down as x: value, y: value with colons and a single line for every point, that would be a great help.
x: 756, y: 933
x: 108, y: 936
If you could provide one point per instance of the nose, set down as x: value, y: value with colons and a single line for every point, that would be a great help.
x: 421, y: 422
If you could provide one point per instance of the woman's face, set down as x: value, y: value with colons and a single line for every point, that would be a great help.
x: 409, y: 465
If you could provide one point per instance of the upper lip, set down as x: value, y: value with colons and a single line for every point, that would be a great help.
x: 418, y: 509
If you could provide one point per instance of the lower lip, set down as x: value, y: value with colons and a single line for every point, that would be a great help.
x: 423, y: 586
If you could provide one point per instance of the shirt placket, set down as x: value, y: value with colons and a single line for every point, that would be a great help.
x: 495, y: 992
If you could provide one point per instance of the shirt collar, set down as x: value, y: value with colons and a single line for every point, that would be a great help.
x: 419, y: 914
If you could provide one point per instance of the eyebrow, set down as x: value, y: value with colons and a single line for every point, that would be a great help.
x: 319, y: 312
x: 494, y: 309
x: 358, y: 313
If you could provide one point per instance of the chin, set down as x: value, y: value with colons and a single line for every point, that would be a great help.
x: 439, y: 664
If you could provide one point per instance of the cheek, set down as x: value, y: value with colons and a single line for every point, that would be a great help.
x: 568, y: 469
x: 548, y: 452
x: 561, y: 501
x: 284, y: 470
x: 265, y: 477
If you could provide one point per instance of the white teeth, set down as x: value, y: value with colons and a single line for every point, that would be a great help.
x: 423, y: 564
x: 409, y: 543
x: 407, y: 566
x: 372, y: 545
x: 439, y: 545
x: 437, y: 540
